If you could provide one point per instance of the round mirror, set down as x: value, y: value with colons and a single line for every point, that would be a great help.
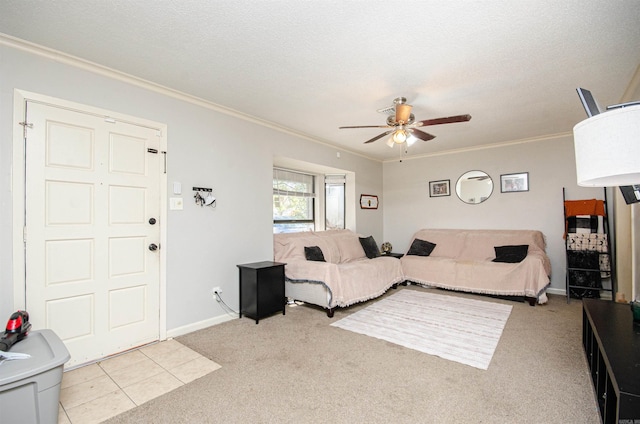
x: 474, y: 187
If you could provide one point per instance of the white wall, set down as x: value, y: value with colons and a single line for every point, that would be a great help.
x: 235, y: 157
x: 550, y: 164
x: 205, y: 148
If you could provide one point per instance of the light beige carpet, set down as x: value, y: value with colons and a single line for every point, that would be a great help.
x: 297, y: 368
x: 454, y: 328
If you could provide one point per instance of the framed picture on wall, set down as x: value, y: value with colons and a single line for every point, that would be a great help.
x: 368, y: 201
x: 439, y: 188
x: 510, y: 183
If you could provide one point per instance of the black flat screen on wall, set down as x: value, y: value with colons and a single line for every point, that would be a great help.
x: 631, y: 193
x: 588, y: 102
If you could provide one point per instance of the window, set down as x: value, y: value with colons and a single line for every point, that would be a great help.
x: 334, y: 192
x: 293, y: 201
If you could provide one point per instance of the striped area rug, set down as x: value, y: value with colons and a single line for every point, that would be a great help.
x: 454, y: 328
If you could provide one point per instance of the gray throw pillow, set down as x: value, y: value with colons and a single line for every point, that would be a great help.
x: 370, y: 247
x: 511, y: 254
x: 421, y: 248
x: 314, y: 253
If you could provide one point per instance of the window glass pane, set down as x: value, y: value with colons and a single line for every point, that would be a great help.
x: 293, y: 201
x: 292, y: 227
x: 334, y: 206
x: 292, y: 208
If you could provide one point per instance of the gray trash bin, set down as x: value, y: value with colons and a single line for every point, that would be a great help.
x: 30, y: 388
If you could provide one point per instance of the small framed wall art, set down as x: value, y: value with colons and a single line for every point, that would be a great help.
x: 439, y: 188
x: 368, y: 201
x: 510, y: 183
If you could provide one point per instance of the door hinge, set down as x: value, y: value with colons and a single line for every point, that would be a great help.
x: 24, y: 234
x: 25, y: 125
x: 165, y: 160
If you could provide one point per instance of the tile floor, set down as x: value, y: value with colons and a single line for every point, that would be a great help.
x: 99, y: 391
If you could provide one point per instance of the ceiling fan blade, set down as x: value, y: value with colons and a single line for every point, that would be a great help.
x: 403, y: 113
x: 365, y: 126
x: 378, y: 137
x: 421, y: 134
x: 447, y: 120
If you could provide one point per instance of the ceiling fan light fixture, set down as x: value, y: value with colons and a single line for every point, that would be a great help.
x: 400, y: 136
x: 403, y: 113
x: 403, y: 127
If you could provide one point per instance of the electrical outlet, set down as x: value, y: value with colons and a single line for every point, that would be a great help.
x: 176, y: 204
x: 215, y: 292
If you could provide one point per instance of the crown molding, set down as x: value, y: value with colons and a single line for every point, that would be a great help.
x: 111, y: 73
x: 487, y: 146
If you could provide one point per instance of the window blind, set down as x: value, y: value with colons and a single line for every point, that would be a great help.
x: 292, y: 183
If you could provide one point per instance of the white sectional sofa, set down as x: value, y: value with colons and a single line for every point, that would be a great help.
x: 465, y: 260
x: 346, y: 276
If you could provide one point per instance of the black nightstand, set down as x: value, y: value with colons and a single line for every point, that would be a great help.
x: 261, y: 289
x: 393, y: 255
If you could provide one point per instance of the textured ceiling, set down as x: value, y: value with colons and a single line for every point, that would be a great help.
x: 312, y: 66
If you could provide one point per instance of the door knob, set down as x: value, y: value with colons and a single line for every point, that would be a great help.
x: 152, y: 221
x: 153, y: 247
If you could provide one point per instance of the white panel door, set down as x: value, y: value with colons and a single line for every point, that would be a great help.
x: 92, y: 219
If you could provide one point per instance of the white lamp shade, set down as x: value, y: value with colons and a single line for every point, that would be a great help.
x: 607, y: 148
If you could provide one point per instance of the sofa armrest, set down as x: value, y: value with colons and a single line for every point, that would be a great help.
x: 543, y: 258
x: 325, y: 272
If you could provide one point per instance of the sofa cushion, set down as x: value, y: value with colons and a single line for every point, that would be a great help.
x: 350, y: 247
x: 511, y: 254
x: 331, y: 240
x: 290, y: 246
x: 370, y: 247
x: 421, y: 248
x: 479, y: 244
x: 449, y: 243
x: 313, y: 253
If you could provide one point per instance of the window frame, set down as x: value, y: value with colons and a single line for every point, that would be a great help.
x: 312, y: 195
x: 335, y: 180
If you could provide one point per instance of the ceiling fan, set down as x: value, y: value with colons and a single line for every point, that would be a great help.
x: 402, y: 124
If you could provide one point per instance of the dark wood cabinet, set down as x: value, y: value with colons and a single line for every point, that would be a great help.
x: 261, y: 289
x: 612, y: 345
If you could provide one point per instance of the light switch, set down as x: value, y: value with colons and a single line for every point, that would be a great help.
x: 176, y: 204
x: 177, y: 188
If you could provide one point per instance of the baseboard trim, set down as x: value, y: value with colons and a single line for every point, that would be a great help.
x: 560, y: 292
x: 190, y: 328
